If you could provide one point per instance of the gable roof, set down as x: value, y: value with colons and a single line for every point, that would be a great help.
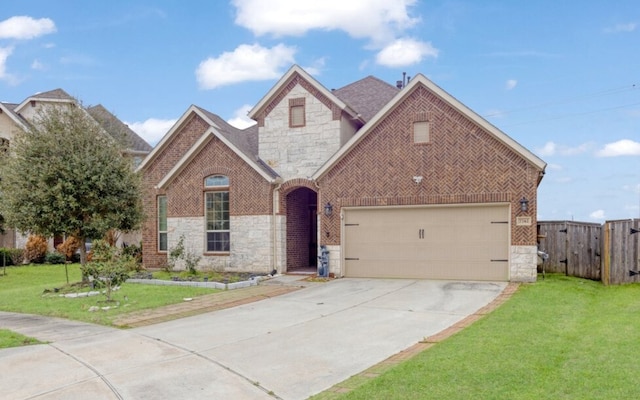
x: 420, y: 79
x: 54, y: 96
x: 292, y: 72
x: 367, y: 96
x: 118, y: 129
x: 9, y: 109
x: 242, y: 142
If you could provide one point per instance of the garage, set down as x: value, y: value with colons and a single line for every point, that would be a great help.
x: 458, y: 242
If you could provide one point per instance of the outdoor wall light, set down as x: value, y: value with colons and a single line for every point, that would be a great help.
x: 524, y: 204
x: 328, y: 209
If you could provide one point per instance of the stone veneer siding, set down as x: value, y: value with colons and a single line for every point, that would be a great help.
x: 300, y: 151
x: 461, y: 164
x: 250, y: 194
x: 523, y: 263
x: 251, y: 247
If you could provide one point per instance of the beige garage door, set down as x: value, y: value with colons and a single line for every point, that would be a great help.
x: 449, y: 242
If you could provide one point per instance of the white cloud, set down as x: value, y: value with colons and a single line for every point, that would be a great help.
x: 628, y: 27
x: 554, y: 167
x: 37, y: 65
x: 378, y: 20
x: 549, y: 149
x: 5, y: 52
x: 316, y: 67
x: 552, y: 148
x: 23, y: 27
x: 153, y: 129
x: 624, y: 147
x: 598, y: 214
x: 240, y: 119
x: 404, y: 52
x: 245, y: 63
x: 511, y: 84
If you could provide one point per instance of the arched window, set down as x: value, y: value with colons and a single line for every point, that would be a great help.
x: 216, y: 202
x: 216, y: 181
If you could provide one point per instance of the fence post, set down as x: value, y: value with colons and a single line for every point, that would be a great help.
x: 606, y: 251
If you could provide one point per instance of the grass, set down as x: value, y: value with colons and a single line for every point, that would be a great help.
x: 23, y: 288
x: 13, y: 339
x: 561, y: 338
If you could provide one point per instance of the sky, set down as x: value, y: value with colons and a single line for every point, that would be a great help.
x: 561, y: 78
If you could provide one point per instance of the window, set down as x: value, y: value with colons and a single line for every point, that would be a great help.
x: 217, y: 213
x: 162, y: 223
x: 421, y: 132
x: 296, y: 112
x: 216, y: 181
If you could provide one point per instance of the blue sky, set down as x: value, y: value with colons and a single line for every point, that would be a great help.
x: 561, y: 78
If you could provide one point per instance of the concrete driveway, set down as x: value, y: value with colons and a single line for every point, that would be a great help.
x: 287, y: 347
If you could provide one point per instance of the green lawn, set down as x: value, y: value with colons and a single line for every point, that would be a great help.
x: 14, y: 339
x: 23, y: 288
x: 561, y: 338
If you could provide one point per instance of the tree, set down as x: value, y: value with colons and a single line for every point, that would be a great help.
x: 66, y: 176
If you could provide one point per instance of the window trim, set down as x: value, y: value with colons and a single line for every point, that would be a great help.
x: 426, y: 135
x: 159, y: 224
x: 298, y: 103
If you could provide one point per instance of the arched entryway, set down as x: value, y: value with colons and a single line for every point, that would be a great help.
x: 302, y: 236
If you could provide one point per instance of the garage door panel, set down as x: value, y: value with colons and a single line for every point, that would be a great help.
x: 467, y: 242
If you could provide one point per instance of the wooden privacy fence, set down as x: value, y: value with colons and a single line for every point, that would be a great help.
x: 608, y: 252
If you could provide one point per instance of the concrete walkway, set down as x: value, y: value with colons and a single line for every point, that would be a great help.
x: 289, y: 346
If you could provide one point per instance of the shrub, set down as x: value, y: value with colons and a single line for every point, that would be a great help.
x: 188, y: 258
x: 55, y: 258
x: 135, y: 252
x: 11, y: 256
x: 69, y: 247
x: 36, y: 249
x: 108, y: 267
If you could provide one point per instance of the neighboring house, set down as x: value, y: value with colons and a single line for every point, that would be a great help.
x: 17, y: 117
x: 394, y: 182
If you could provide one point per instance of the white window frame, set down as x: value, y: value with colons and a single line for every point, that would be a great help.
x: 162, y: 232
x: 217, y: 221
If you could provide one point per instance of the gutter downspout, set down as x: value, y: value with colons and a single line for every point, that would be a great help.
x: 276, y: 202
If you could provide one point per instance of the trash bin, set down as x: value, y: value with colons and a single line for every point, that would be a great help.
x: 323, y: 262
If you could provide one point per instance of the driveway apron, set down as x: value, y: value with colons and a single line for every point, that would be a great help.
x: 288, y: 347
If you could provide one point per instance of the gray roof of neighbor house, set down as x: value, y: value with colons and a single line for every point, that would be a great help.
x: 367, y: 96
x: 11, y: 108
x: 118, y: 129
x: 57, y: 94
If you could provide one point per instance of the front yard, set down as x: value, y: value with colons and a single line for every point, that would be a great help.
x: 36, y: 289
x: 561, y: 338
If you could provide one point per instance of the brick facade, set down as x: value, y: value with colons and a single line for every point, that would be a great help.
x: 463, y: 162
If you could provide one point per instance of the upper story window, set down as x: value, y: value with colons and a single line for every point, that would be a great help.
x: 421, y: 127
x: 421, y: 132
x: 297, y: 112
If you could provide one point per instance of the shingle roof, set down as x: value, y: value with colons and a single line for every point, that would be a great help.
x: 367, y: 96
x: 117, y: 129
x: 57, y: 94
x: 245, y: 140
x: 11, y: 108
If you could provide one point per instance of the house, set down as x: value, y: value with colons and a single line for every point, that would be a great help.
x: 16, y: 117
x: 393, y: 182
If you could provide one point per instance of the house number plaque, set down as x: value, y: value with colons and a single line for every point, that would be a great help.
x: 523, y: 221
